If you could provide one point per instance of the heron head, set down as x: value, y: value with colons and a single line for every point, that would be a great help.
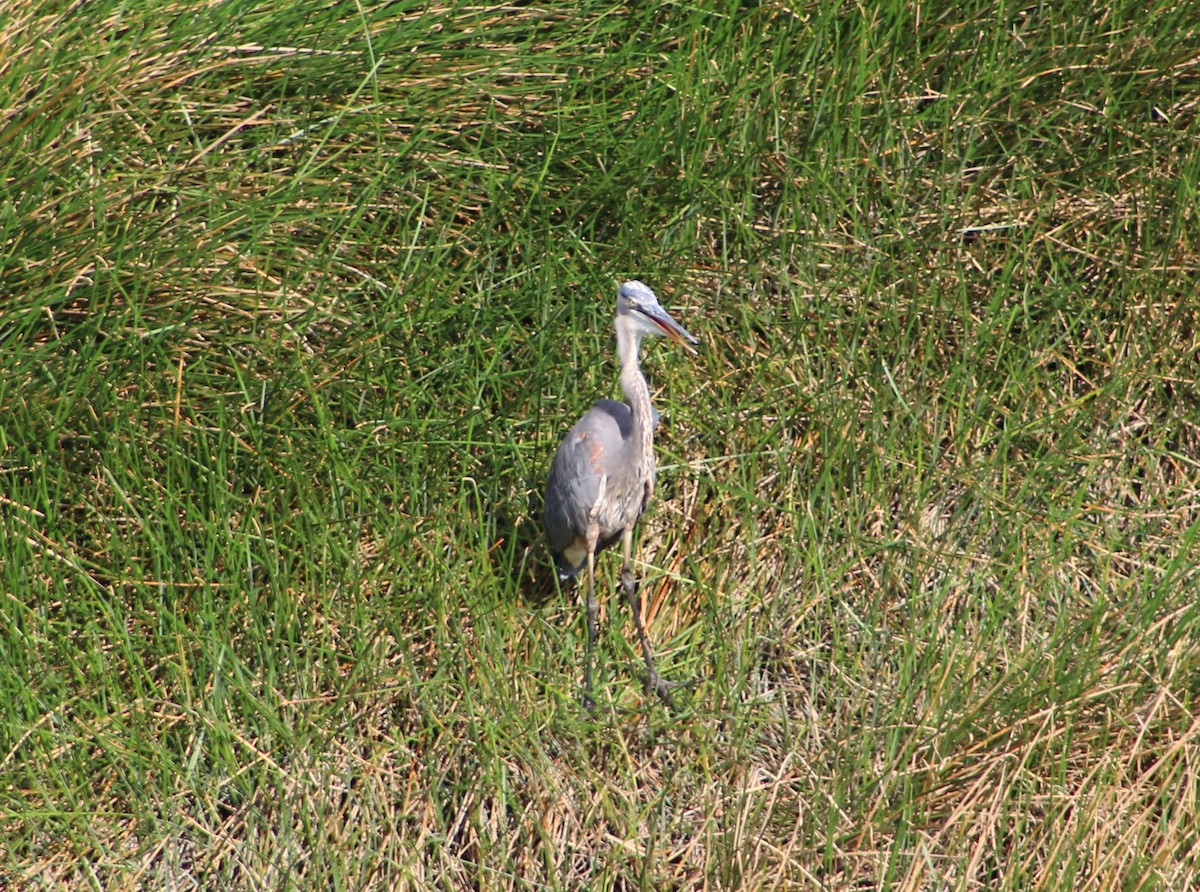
x: 637, y: 303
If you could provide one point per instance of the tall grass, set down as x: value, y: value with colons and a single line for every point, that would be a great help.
x: 296, y: 301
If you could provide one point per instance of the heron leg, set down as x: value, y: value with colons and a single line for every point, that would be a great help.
x: 654, y: 682
x: 593, y: 623
x: 593, y: 632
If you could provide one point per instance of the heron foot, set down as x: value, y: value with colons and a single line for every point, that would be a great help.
x: 656, y: 684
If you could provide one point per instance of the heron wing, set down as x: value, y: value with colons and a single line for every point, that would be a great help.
x: 592, y: 452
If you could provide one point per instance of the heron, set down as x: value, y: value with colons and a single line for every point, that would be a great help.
x: 602, y: 476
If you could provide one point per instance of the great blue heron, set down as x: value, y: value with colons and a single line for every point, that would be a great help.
x: 602, y: 476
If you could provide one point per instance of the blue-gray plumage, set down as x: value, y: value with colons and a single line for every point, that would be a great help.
x: 602, y: 476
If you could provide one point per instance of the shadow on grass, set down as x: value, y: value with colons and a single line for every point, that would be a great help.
x: 518, y: 549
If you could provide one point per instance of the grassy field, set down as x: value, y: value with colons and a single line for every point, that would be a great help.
x: 297, y: 299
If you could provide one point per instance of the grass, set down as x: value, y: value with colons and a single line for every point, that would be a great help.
x: 297, y: 300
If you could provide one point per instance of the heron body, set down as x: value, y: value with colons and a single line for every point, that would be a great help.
x: 594, y: 481
x: 602, y: 476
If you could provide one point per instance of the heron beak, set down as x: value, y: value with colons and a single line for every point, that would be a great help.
x: 671, y: 329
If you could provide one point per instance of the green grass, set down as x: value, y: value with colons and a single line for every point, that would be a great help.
x: 297, y: 299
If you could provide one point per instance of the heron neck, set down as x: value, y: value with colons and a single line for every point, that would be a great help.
x: 636, y: 391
